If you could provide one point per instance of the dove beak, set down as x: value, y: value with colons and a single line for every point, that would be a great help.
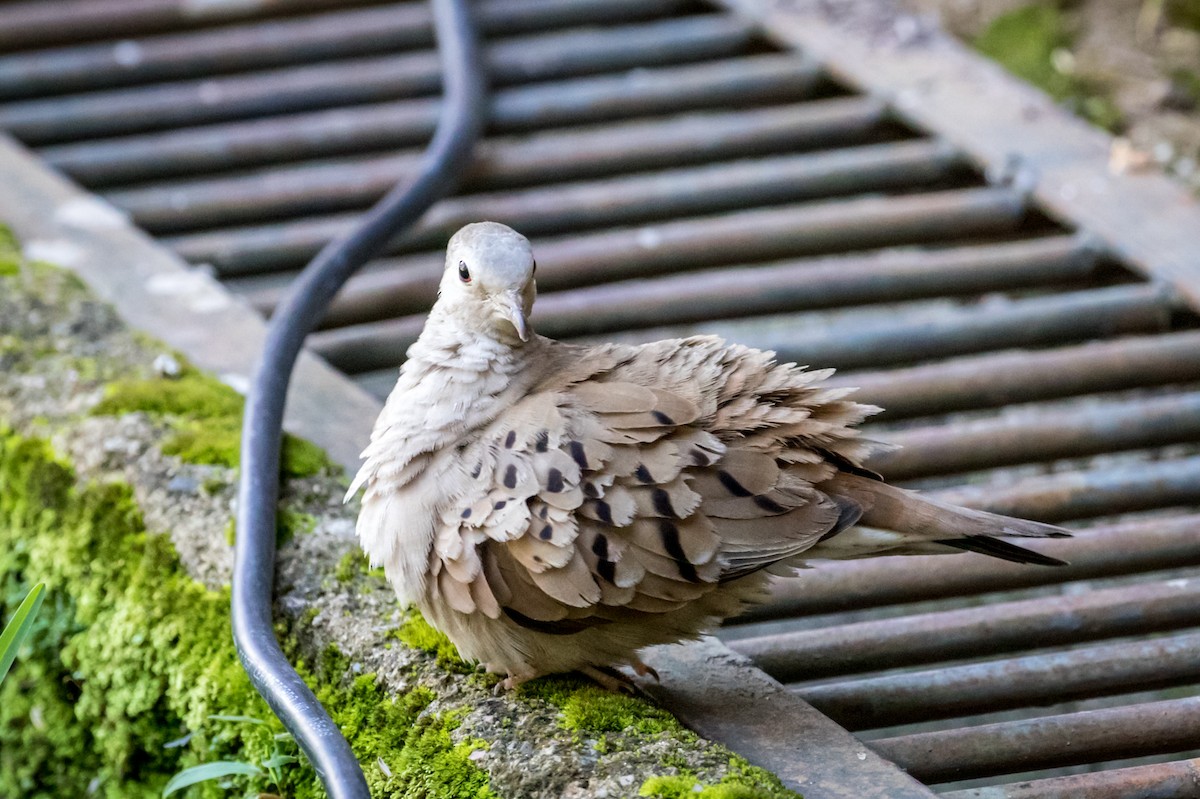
x: 514, y: 310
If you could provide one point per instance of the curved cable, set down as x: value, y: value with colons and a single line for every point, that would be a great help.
x: 460, y: 123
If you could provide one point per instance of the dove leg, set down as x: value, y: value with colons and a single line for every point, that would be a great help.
x: 609, y: 679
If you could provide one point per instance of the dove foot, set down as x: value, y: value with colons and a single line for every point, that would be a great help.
x: 511, y: 682
x: 610, y: 680
x: 643, y: 670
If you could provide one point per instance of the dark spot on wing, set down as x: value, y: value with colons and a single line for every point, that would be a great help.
x: 466, y: 514
x: 600, y: 547
x: 500, y: 505
x: 510, y: 476
x: 608, y: 570
x: 577, y: 453
x: 844, y: 464
x: 669, y: 534
x: 643, y: 474
x: 546, y: 533
x: 731, y: 484
x: 662, y: 418
x: 590, y: 490
x: 510, y: 439
x: 543, y: 441
x: 478, y: 468
x: 662, y: 502
x: 604, y: 512
x: 554, y: 481
x: 768, y: 504
x: 544, y: 511
x: 562, y: 627
x: 699, y: 457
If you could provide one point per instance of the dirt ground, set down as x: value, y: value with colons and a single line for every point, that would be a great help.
x: 1132, y: 66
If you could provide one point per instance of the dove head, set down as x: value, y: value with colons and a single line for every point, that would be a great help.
x: 488, y: 284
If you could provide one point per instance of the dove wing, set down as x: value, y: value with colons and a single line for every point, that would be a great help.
x: 603, y: 500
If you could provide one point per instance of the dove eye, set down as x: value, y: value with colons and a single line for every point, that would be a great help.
x: 464, y: 274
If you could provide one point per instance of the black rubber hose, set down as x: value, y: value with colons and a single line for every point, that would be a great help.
x: 464, y: 97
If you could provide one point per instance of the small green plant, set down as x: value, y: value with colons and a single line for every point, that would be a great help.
x: 270, y: 769
x: 18, y: 627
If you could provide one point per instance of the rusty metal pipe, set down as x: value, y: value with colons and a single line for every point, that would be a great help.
x: 1103, y: 551
x: 1008, y: 747
x: 118, y: 112
x: 408, y: 284
x: 1038, y: 321
x: 341, y: 33
x: 1176, y: 780
x: 1003, y: 378
x: 204, y: 150
x: 375, y: 345
x: 975, y: 632
x: 36, y: 23
x: 629, y: 199
x: 882, y: 276
x: 508, y: 162
x: 1042, y: 435
x: 1087, y: 494
x: 1044, y: 679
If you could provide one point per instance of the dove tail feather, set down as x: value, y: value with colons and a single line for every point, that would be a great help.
x: 890, y: 508
x: 1004, y: 550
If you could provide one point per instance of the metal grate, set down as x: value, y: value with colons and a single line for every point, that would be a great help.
x: 680, y: 175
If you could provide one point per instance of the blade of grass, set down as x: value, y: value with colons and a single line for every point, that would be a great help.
x: 209, y: 771
x: 18, y: 627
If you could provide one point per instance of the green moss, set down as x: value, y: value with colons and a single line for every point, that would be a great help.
x: 10, y: 253
x: 419, y: 634
x: 206, y: 421
x: 288, y: 523
x: 405, y: 748
x: 130, y: 654
x: 1025, y: 42
x: 588, y: 709
x: 192, y: 395
x: 352, y: 564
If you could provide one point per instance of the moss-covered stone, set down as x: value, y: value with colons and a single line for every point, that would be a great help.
x: 206, y: 420
x: 132, y: 654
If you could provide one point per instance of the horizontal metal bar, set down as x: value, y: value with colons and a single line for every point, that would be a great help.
x: 554, y: 156
x: 883, y: 276
x: 1043, y: 435
x: 1179, y: 779
x: 781, y: 231
x: 204, y: 150
x: 1091, y: 736
x: 1103, y: 551
x: 975, y: 632
x: 343, y: 82
x: 36, y: 23
x: 997, y: 379
x: 342, y: 33
x: 561, y: 208
x: 891, y: 275
x: 1088, y: 494
x: 1013, y: 683
x: 907, y: 334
